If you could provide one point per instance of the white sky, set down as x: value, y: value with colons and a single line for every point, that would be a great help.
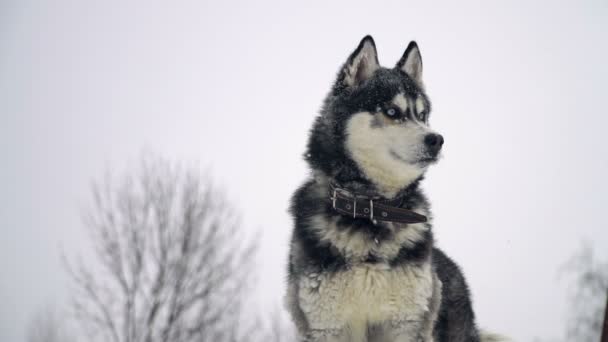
x: 518, y: 92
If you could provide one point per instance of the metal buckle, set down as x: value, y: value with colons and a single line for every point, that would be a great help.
x: 334, y: 199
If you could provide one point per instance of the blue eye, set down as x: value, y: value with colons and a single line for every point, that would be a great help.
x: 422, y: 115
x: 391, y: 112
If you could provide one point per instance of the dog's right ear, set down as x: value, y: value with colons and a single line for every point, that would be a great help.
x: 360, y: 66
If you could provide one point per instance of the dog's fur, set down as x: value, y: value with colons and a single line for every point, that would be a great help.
x: 353, y: 279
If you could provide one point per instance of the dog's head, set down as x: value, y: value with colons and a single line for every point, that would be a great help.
x: 375, y: 123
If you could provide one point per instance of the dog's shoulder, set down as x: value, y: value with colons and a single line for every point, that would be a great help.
x: 456, y: 318
x: 447, y: 270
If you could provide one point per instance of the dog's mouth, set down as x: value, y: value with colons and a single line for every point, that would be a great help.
x: 423, y: 160
x: 427, y: 160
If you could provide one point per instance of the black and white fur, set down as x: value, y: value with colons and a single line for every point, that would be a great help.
x: 353, y: 279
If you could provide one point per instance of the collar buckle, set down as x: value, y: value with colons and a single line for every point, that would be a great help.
x: 333, y: 199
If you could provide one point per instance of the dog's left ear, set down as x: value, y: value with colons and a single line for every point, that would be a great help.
x: 411, y: 62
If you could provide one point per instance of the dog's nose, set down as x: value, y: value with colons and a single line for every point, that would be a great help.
x: 433, y: 142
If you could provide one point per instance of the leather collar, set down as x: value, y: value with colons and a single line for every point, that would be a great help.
x: 373, y: 208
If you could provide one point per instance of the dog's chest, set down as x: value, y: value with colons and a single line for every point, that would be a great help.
x: 365, y: 295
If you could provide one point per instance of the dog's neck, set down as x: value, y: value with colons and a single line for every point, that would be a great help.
x: 357, y: 241
x: 356, y: 184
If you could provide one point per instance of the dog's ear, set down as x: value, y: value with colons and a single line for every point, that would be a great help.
x: 411, y: 62
x: 360, y: 65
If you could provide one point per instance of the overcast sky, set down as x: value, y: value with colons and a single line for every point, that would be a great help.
x: 519, y: 93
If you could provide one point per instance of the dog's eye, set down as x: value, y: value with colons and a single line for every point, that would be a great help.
x: 422, y: 115
x: 392, y: 112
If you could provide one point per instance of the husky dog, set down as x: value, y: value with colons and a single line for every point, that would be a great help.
x: 362, y: 266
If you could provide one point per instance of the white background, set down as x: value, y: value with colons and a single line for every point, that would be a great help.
x: 519, y: 93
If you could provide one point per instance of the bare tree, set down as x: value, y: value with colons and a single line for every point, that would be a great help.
x: 47, y: 326
x: 588, y: 291
x: 173, y: 262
